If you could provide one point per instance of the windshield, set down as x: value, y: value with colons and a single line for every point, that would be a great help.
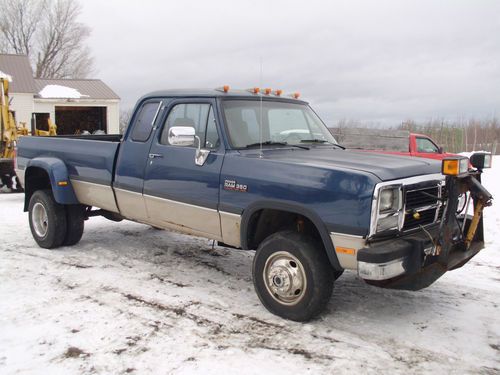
x: 282, y: 123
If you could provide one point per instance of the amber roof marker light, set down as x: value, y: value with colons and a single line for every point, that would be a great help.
x: 254, y: 90
x: 224, y: 88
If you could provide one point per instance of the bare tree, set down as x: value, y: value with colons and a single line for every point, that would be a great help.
x: 49, y: 33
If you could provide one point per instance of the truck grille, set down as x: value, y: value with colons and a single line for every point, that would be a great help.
x: 424, y: 201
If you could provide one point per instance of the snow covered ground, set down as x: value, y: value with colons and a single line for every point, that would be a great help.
x: 132, y: 299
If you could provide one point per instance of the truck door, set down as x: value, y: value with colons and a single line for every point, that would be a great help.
x: 177, y: 192
x: 132, y: 159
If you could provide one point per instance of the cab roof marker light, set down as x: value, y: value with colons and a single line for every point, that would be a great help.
x: 224, y: 88
x: 278, y: 92
x: 295, y: 95
x: 267, y: 91
x: 254, y: 90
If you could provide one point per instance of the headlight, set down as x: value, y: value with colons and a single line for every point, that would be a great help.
x: 481, y: 160
x: 389, y: 200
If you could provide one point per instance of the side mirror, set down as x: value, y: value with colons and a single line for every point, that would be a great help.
x: 181, y: 136
x: 440, y: 150
x: 186, y: 136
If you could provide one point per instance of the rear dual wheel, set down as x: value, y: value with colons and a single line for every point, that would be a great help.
x: 53, y: 224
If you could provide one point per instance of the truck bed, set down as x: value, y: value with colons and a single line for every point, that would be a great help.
x: 87, y: 157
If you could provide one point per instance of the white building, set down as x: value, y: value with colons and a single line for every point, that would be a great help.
x: 74, y: 105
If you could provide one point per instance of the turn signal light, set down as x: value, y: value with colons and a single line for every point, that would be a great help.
x: 455, y: 166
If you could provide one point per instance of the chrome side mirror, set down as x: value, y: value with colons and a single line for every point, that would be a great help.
x: 186, y: 136
x: 181, y: 136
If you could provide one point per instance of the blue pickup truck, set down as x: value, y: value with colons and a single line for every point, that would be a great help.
x: 260, y: 172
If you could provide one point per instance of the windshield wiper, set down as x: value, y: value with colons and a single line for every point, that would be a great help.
x: 272, y: 143
x: 315, y: 140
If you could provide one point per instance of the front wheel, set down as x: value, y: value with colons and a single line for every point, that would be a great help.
x: 47, y: 219
x: 292, y: 275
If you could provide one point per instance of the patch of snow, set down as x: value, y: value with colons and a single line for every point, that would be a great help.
x: 5, y: 76
x: 63, y: 92
x: 469, y: 153
x: 132, y: 299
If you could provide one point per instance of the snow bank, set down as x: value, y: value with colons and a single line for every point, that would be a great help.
x: 5, y: 76
x: 469, y: 153
x: 57, y: 91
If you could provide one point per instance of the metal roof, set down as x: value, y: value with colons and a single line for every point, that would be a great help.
x: 19, y: 67
x: 89, y: 88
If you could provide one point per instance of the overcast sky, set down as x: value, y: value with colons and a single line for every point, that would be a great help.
x: 372, y: 61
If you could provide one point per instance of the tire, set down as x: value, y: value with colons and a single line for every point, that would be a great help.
x: 75, y: 219
x: 47, y: 219
x: 337, y: 274
x: 292, y: 276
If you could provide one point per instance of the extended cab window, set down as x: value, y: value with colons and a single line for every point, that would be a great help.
x: 199, y: 116
x: 426, y: 145
x: 144, y: 122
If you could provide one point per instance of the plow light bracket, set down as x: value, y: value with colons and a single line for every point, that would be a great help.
x: 455, y: 166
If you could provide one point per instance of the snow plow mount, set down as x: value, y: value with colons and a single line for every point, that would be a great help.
x: 423, y: 257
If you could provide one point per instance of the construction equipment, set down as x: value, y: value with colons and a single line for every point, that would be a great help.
x: 46, y: 133
x: 9, y: 134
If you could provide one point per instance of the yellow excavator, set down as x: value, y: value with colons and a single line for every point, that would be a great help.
x: 10, y: 133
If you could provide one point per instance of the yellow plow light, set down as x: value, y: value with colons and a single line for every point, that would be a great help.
x: 455, y: 166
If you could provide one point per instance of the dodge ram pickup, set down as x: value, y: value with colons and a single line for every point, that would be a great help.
x: 234, y: 166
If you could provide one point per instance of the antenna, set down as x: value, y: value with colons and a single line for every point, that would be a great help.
x: 260, y: 94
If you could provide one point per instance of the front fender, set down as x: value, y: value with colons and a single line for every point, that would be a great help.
x: 58, y: 177
x: 288, y: 207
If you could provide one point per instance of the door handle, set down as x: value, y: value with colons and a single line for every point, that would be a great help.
x: 152, y: 156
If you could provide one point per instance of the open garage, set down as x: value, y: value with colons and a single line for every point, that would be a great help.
x: 77, y: 106
x: 75, y: 120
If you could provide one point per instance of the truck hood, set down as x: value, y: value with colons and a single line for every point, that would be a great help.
x: 385, y: 167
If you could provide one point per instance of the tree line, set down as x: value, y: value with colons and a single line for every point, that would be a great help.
x: 460, y: 135
x: 454, y: 136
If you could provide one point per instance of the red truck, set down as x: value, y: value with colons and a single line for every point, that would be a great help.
x: 397, y: 142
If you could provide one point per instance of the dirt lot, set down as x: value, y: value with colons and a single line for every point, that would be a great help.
x: 132, y: 299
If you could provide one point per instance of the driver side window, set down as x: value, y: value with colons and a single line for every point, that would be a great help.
x: 199, y: 116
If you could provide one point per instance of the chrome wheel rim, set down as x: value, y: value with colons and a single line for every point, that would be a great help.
x: 39, y: 219
x: 285, y: 278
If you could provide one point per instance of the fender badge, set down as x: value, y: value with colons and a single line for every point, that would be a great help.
x: 234, y: 186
